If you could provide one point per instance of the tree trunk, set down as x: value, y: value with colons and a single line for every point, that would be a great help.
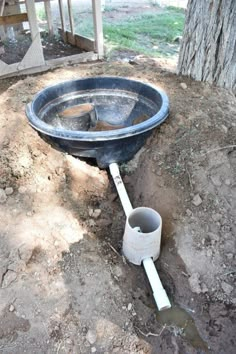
x: 208, y: 49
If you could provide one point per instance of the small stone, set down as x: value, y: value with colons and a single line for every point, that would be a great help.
x: 188, y: 212
x: 183, y: 85
x: 175, y: 216
x: 117, y: 271
x: 197, y: 200
x: 93, y: 350
x: 194, y: 282
x: 91, y: 336
x: 234, y: 301
x: 129, y: 307
x: 9, y: 191
x: 22, y: 189
x: 227, y: 288
x: 11, y: 308
x: 90, y: 212
x: 230, y: 256
x: 227, y: 182
x: 225, y: 129
x: 91, y: 223
x: 209, y: 253
x: 29, y: 213
x: 9, y: 278
x: 6, y: 142
x: 216, y: 180
x: 213, y: 237
x: 204, y: 288
x: 25, y: 252
x: 216, y: 217
x: 97, y: 213
x: 3, y: 196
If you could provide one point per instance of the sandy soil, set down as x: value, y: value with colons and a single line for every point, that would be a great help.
x: 65, y: 288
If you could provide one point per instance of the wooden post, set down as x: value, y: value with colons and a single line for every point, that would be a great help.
x: 2, y: 7
x: 47, y: 6
x: 71, y: 19
x: 63, y: 22
x: 2, y: 29
x: 37, y: 57
x: 98, y: 30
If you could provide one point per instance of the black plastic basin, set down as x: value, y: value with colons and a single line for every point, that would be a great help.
x: 118, y: 101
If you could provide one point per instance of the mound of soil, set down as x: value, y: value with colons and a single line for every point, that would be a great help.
x: 65, y: 288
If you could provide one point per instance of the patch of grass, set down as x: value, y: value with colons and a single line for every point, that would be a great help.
x: 84, y: 26
x: 40, y: 12
x: 146, y: 33
x: 151, y: 33
x: 176, y: 9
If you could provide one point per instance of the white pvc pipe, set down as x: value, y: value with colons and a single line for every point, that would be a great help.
x: 159, y: 292
x: 142, y: 235
x: 124, y: 198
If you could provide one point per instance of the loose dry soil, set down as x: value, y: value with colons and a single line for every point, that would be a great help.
x: 65, y: 287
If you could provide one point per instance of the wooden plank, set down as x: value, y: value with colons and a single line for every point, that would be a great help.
x: 48, y: 12
x: 79, y: 41
x: 32, y: 57
x: 98, y: 30
x: 2, y: 29
x: 13, y: 19
x: 84, y: 43
x: 2, y: 7
x: 62, y: 15
x: 73, y: 59
x: 71, y: 19
x: 35, y: 34
x: 6, y: 69
x: 15, y: 2
x: 32, y: 18
x: 70, y: 38
x: 50, y: 64
x: 2, y: 33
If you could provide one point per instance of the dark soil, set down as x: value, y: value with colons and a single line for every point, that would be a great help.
x: 53, y: 47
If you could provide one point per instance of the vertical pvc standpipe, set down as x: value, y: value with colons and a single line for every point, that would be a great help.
x: 159, y: 292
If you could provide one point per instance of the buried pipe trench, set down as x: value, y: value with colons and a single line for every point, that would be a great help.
x: 109, y: 119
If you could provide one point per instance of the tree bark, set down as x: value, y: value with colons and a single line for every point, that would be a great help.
x: 208, y: 49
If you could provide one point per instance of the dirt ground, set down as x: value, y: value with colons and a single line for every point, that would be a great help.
x: 64, y: 285
x: 53, y: 47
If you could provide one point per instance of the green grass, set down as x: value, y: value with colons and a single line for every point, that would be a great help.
x: 40, y: 12
x: 145, y: 32
x: 151, y: 33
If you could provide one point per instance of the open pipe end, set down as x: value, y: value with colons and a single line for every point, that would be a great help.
x: 162, y: 300
x: 159, y: 293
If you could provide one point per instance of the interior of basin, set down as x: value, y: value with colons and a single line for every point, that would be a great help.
x: 116, y: 107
